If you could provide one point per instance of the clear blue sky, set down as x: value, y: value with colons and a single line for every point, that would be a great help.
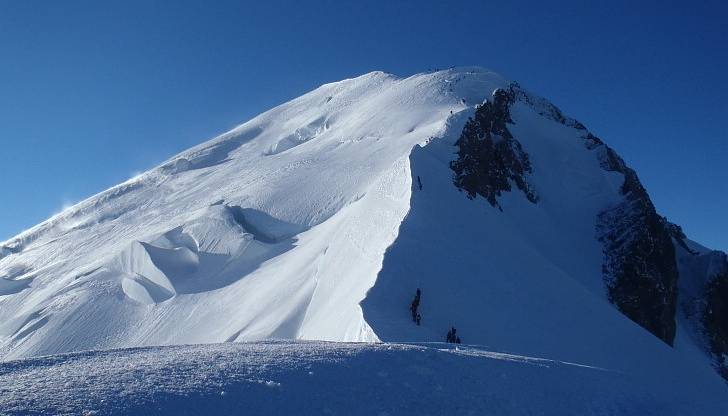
x: 91, y: 92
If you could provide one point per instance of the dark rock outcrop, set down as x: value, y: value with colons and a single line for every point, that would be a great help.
x: 639, y: 270
x: 641, y: 248
x: 489, y: 157
x: 715, y: 319
x: 704, y: 301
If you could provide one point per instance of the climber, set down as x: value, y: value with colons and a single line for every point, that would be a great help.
x: 419, y: 182
x: 415, y: 304
x: 452, y: 336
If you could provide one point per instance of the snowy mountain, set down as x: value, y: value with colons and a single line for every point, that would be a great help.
x: 319, y: 219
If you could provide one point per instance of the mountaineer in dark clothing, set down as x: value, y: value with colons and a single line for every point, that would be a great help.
x: 452, y: 337
x: 413, y: 307
x: 419, y: 182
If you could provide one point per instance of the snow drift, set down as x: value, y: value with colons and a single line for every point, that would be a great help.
x: 320, y: 218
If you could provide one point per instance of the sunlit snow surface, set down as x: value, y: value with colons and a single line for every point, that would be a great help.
x: 275, y: 229
x: 313, y: 378
x: 303, y: 224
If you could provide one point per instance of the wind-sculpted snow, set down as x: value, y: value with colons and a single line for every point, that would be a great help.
x: 15, y: 279
x: 320, y: 218
x: 10, y: 286
x: 333, y: 378
x: 211, y: 154
x: 208, y: 253
x: 274, y: 229
x: 302, y: 134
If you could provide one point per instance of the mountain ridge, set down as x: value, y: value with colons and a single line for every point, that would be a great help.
x: 346, y: 196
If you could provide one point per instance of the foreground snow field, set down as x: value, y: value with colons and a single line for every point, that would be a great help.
x: 316, y: 378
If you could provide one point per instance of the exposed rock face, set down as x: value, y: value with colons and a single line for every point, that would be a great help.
x: 640, y: 270
x: 715, y: 318
x: 489, y: 157
x: 704, y: 299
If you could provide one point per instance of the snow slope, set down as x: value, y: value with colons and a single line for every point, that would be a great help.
x: 314, y: 378
x: 307, y: 222
x: 273, y: 230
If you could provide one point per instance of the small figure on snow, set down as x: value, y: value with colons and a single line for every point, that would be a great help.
x: 419, y: 183
x: 452, y: 338
x: 413, y: 307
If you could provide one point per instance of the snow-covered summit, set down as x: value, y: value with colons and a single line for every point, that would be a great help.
x: 319, y: 219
